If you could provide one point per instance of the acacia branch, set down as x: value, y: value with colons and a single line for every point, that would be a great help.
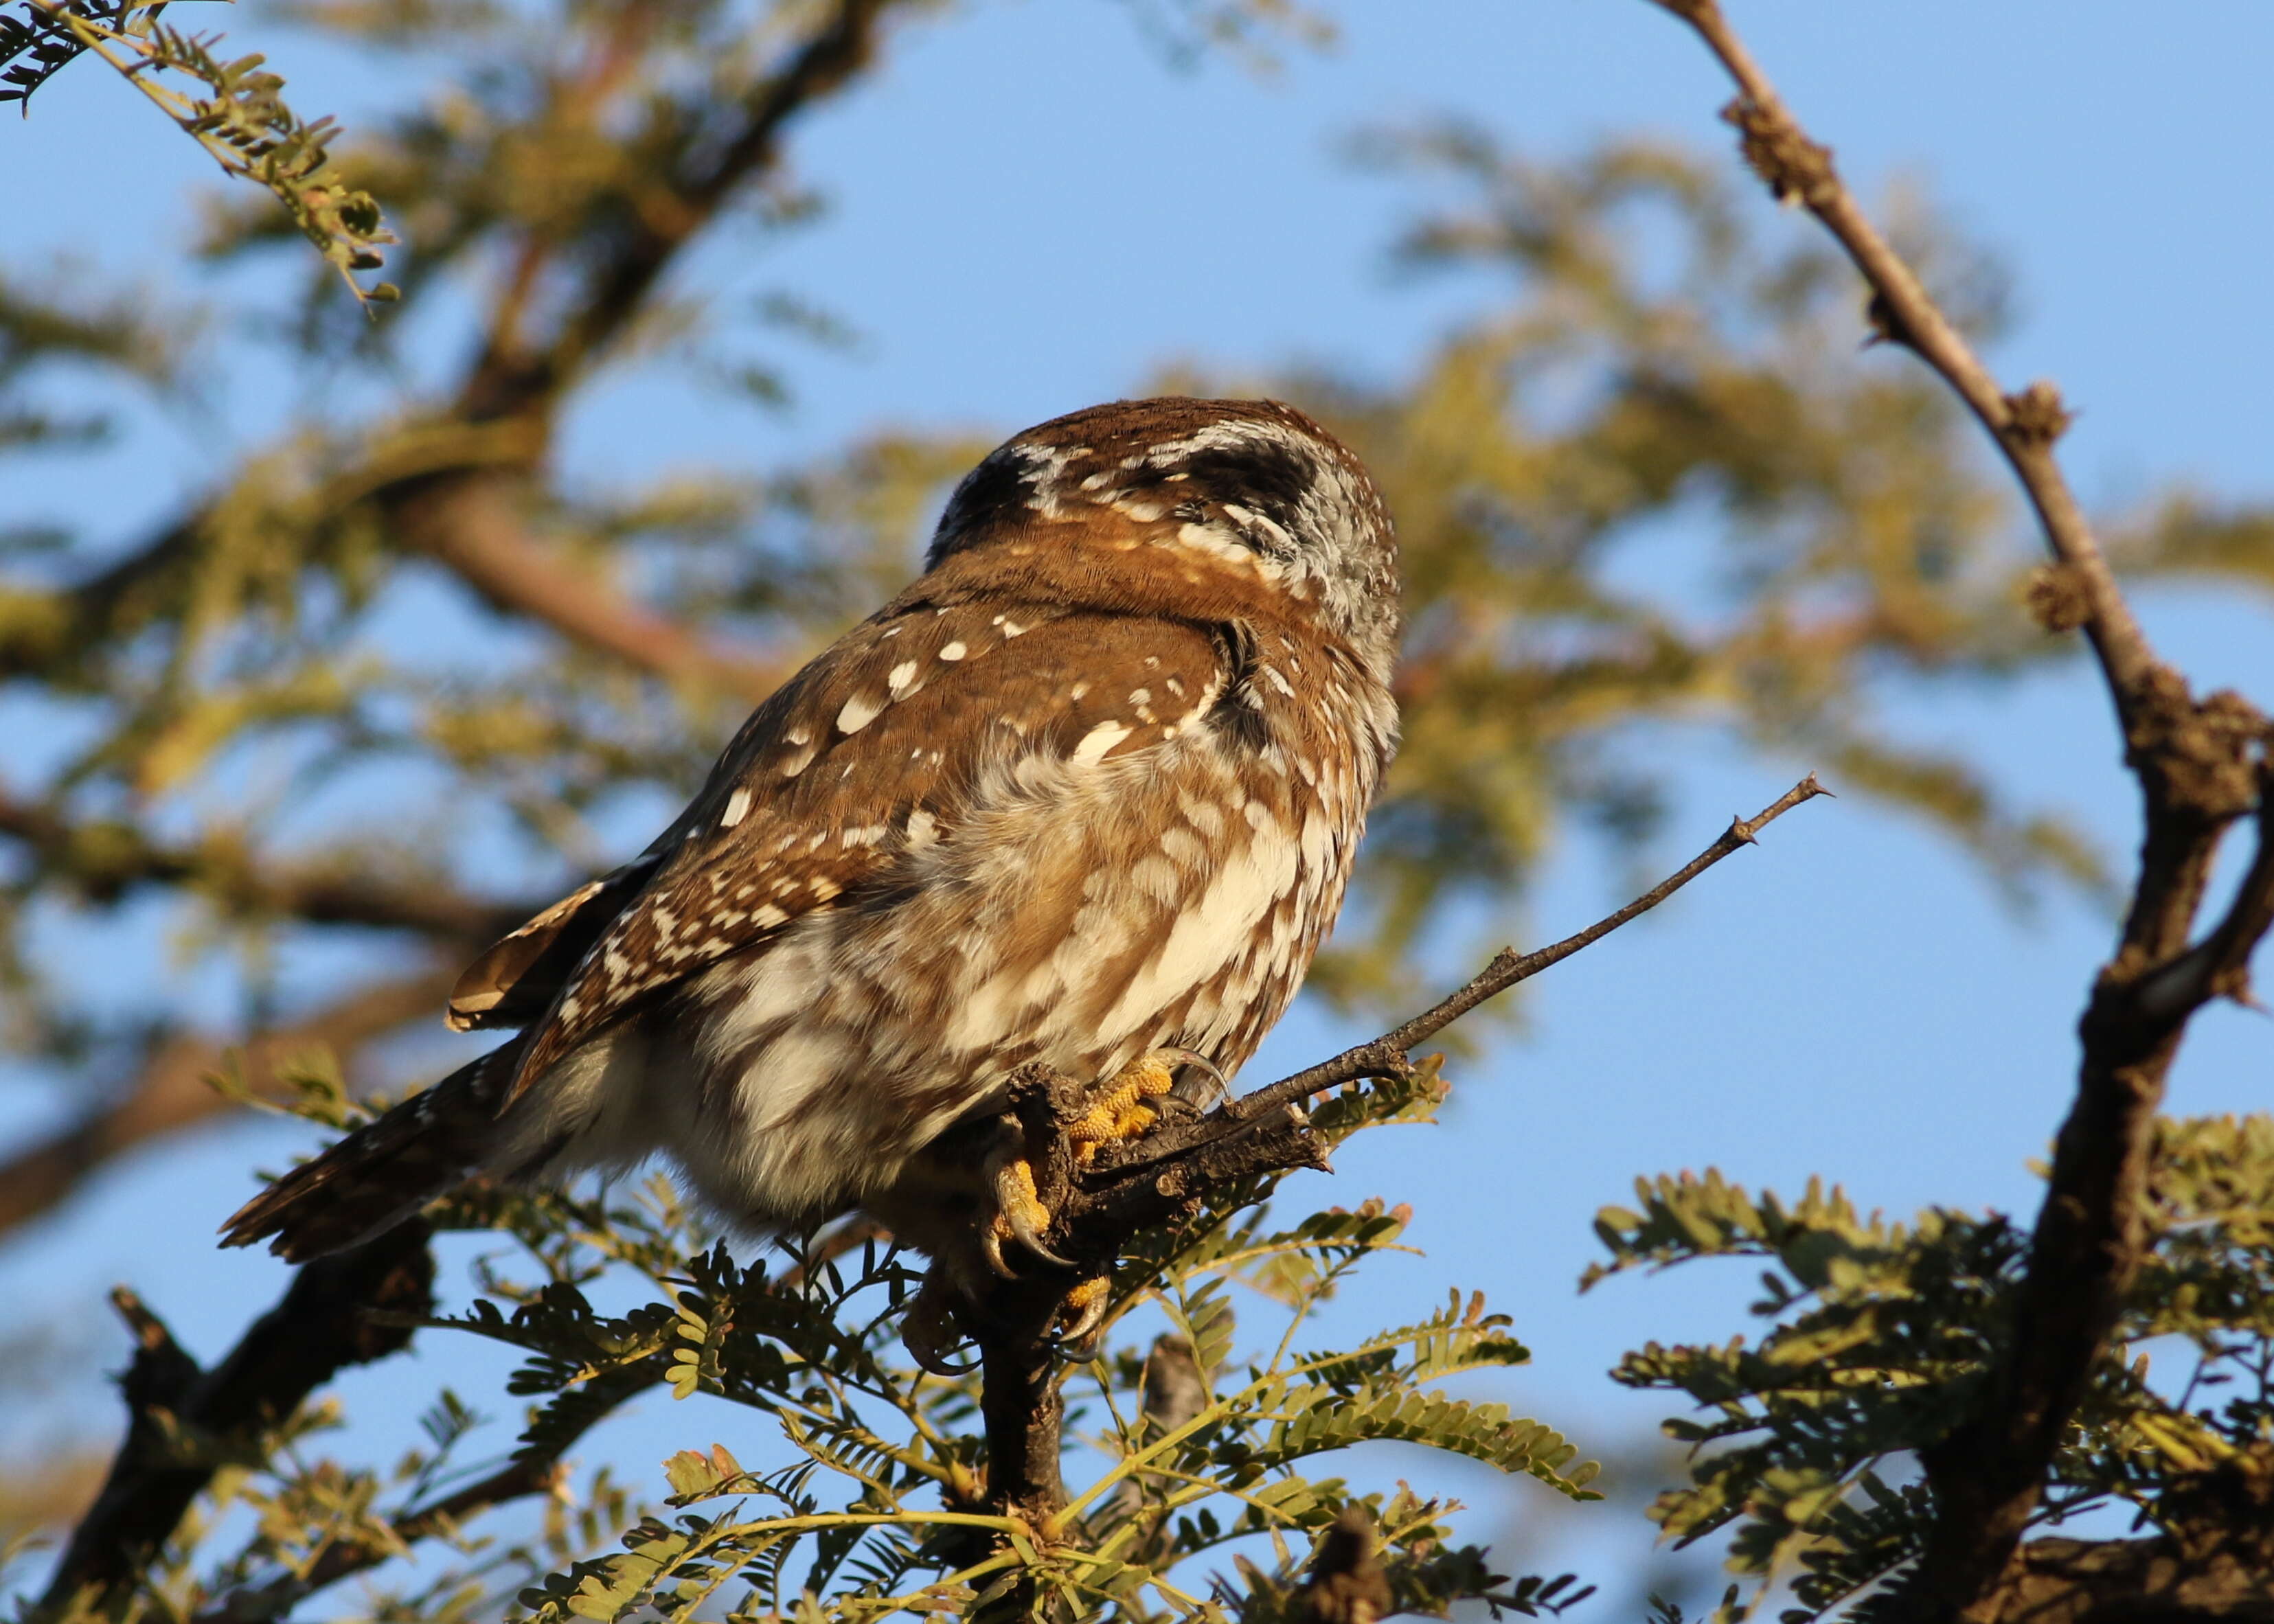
x: 171, y: 1092
x: 1387, y: 1054
x: 541, y: 1473
x: 185, y: 1421
x: 472, y: 524
x: 2200, y: 764
x: 2024, y: 425
x: 106, y: 859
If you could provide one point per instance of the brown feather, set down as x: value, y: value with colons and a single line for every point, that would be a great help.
x: 516, y: 979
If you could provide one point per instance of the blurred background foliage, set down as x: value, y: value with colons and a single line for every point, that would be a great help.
x: 259, y: 753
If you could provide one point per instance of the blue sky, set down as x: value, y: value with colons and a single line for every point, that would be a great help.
x: 1033, y: 211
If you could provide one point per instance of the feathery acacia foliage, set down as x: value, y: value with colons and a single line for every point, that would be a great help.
x: 871, y: 1501
x: 1881, y: 1336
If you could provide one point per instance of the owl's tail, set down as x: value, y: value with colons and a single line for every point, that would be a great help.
x: 385, y: 1170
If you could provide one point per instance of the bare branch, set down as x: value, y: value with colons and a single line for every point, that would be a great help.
x: 1386, y: 1055
x: 186, y: 1421
x: 2025, y: 425
x: 2219, y: 966
x: 2201, y: 765
x: 470, y: 524
x: 172, y: 1092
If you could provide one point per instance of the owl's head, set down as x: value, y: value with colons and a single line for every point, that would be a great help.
x: 1253, y: 478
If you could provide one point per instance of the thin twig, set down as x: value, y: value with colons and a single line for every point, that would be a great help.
x: 2025, y: 425
x: 1387, y: 1054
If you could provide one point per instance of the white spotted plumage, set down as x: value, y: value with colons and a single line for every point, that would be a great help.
x: 932, y: 857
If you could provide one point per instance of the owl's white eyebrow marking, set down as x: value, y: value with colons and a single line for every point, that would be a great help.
x: 738, y: 807
x: 952, y: 651
x: 1099, y: 740
x: 857, y: 714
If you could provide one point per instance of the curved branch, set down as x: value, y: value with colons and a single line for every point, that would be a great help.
x: 107, y: 859
x: 2025, y: 425
x: 186, y: 1421
x: 470, y: 524
x: 172, y: 1092
x: 2201, y: 765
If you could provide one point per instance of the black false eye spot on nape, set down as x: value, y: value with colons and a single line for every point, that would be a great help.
x: 1269, y: 479
x: 997, y: 493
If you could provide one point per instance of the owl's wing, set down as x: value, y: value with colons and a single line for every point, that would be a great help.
x: 865, y: 756
x: 517, y: 978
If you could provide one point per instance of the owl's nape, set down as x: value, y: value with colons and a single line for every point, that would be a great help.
x: 1085, y: 795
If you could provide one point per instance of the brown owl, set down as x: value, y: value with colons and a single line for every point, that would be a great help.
x: 1086, y: 792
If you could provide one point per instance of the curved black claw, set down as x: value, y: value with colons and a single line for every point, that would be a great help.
x: 928, y: 1331
x: 1079, y: 1340
x: 1207, y: 1068
x: 1011, y: 1182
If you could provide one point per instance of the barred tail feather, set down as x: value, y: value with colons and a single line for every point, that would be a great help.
x: 385, y: 1170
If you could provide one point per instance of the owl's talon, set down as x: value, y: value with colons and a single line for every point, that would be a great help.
x: 991, y: 1248
x: 928, y: 1331
x: 1221, y: 1090
x: 1020, y: 1220
x: 1088, y: 1302
x: 1020, y: 1213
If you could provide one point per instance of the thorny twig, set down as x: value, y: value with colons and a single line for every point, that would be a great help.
x: 2200, y: 764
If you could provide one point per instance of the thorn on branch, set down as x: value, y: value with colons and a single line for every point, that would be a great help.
x: 2057, y: 595
x: 1796, y: 170
x: 1887, y: 324
x: 2036, y: 416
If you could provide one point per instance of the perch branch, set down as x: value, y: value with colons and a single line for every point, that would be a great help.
x: 2200, y: 764
x: 1173, y: 1170
x: 1386, y: 1054
x: 170, y: 1092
